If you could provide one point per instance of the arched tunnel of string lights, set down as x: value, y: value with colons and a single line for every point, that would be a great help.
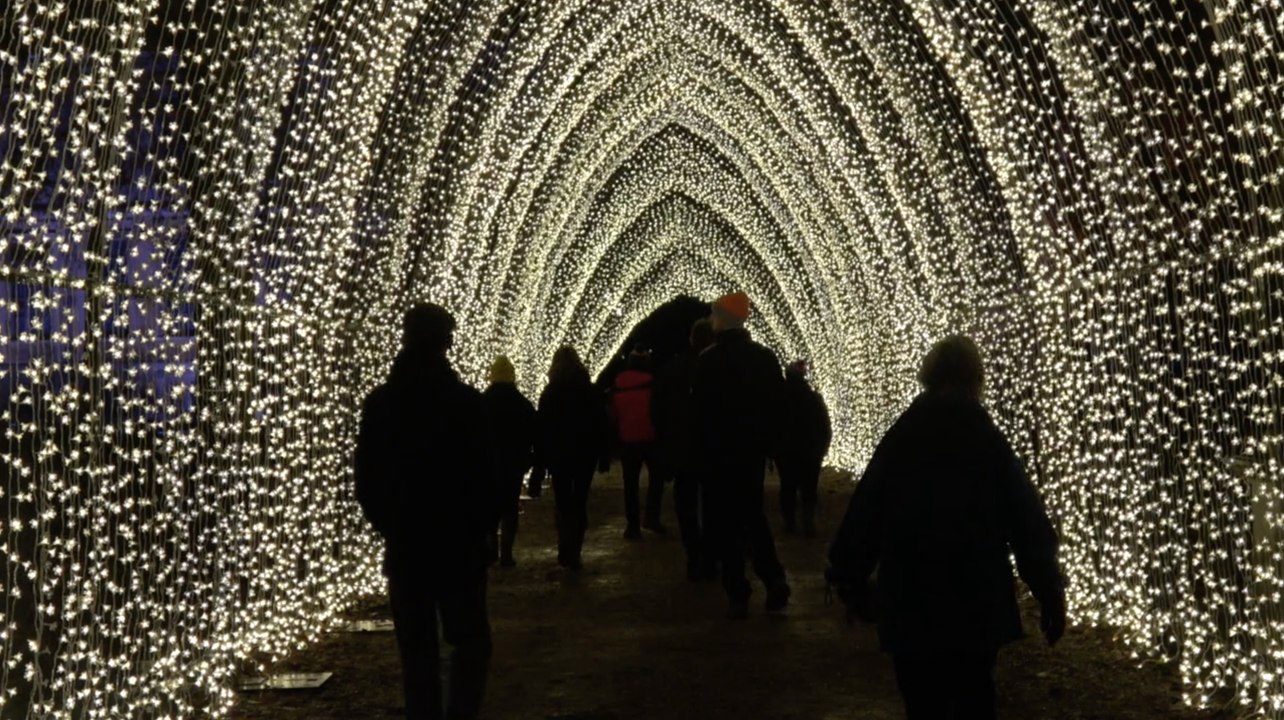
x: 214, y: 213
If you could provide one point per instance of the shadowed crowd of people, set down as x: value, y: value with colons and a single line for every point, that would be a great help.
x: 923, y: 550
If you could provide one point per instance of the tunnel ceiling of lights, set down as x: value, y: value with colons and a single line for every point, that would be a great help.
x: 215, y: 212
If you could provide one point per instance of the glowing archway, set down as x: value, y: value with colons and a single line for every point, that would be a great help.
x: 214, y: 213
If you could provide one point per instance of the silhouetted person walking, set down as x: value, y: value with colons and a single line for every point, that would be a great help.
x: 572, y: 438
x: 804, y: 440
x: 737, y: 399
x: 941, y: 505
x: 631, y: 414
x: 512, y: 422
x: 425, y: 480
x: 672, y: 415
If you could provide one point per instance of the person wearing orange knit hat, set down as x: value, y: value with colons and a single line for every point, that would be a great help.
x: 730, y: 311
x: 736, y: 397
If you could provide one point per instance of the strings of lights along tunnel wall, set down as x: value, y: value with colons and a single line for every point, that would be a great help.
x: 214, y: 214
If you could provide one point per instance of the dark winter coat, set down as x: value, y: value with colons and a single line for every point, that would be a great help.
x: 513, y: 427
x: 943, y: 501
x: 671, y: 411
x: 737, y: 396
x: 573, y: 426
x: 425, y: 476
x: 805, y: 430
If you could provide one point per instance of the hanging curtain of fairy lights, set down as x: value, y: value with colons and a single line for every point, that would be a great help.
x: 213, y: 214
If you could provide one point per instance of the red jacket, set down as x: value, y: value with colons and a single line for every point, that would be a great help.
x: 631, y: 406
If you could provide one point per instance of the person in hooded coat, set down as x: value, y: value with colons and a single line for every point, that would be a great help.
x: 941, y: 507
x: 672, y: 415
x: 512, y: 421
x: 571, y: 442
x: 425, y: 481
x: 631, y: 414
x: 736, y: 396
x: 804, y: 440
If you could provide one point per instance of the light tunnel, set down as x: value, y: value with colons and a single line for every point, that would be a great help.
x: 214, y: 214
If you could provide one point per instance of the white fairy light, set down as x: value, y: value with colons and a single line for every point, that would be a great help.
x: 214, y: 214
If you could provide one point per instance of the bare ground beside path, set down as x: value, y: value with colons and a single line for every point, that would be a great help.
x: 631, y: 639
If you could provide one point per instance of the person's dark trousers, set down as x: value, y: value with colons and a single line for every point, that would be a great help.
x: 632, y: 457
x: 508, y: 513
x: 947, y: 686
x: 686, y: 503
x: 691, y: 504
x: 571, y: 487
x: 741, y: 526
x: 508, y: 523
x: 799, y: 476
x: 417, y: 601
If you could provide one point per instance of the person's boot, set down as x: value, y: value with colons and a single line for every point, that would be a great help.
x: 809, y: 519
x: 654, y: 500
x: 507, y: 536
x: 563, y: 543
x: 575, y: 560
x: 778, y: 597
x: 469, y: 663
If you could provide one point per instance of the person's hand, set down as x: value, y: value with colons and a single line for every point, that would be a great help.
x: 1052, y: 621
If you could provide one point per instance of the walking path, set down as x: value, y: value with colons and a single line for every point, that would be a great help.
x: 630, y: 639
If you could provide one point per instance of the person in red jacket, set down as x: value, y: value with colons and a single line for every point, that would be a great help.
x: 631, y: 414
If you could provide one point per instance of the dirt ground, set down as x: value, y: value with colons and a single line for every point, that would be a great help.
x: 630, y: 639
